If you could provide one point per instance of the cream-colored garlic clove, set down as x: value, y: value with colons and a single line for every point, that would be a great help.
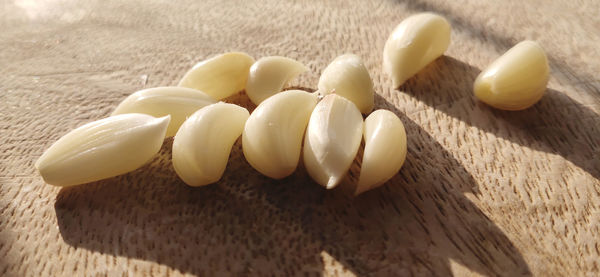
x: 220, y: 76
x: 268, y: 75
x: 332, y: 140
x: 414, y: 43
x: 516, y: 80
x: 103, y: 149
x: 272, y: 137
x: 202, y: 145
x: 385, y: 149
x: 175, y: 101
x: 347, y: 76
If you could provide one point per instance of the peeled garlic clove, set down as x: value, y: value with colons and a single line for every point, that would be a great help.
x: 103, y: 149
x: 272, y: 137
x: 347, y: 76
x: 385, y: 149
x: 202, y: 145
x: 516, y: 80
x: 221, y: 76
x: 268, y: 75
x: 414, y: 43
x: 332, y: 140
x: 175, y: 101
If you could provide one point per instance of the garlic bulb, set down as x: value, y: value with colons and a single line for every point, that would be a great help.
x: 272, y: 137
x: 347, y: 76
x: 103, y: 149
x: 175, y: 101
x: 414, y: 43
x: 220, y: 76
x: 516, y: 80
x: 332, y: 139
x: 268, y: 75
x: 385, y: 149
x: 202, y: 145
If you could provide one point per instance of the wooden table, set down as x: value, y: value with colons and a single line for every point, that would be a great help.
x: 482, y: 192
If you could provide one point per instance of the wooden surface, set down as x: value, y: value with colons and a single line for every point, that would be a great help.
x: 483, y: 192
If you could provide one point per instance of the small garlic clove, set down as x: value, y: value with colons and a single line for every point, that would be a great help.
x: 220, y: 76
x: 202, y: 145
x: 385, y: 149
x: 272, y: 137
x: 414, y: 43
x: 268, y: 75
x: 175, y: 101
x: 103, y: 149
x: 516, y: 80
x: 347, y: 76
x: 332, y: 140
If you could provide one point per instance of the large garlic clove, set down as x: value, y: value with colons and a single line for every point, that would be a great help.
x: 202, y: 145
x: 268, y: 75
x: 272, y: 137
x: 221, y: 76
x: 516, y: 80
x: 175, y: 101
x: 414, y: 43
x: 347, y: 76
x: 332, y: 140
x: 103, y: 149
x: 385, y: 149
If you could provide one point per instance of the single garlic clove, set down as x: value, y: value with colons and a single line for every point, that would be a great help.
x: 202, y: 145
x: 175, y: 101
x: 272, y: 137
x: 220, y: 76
x: 414, y: 43
x: 385, y: 149
x: 347, y: 76
x: 332, y: 140
x: 103, y: 149
x: 516, y: 80
x: 268, y: 75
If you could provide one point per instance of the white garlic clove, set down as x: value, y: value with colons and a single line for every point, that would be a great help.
x: 103, y: 149
x: 332, y: 140
x: 175, y: 101
x: 414, y: 43
x: 268, y: 75
x: 202, y: 145
x: 516, y: 80
x: 385, y: 149
x: 220, y: 76
x: 347, y: 76
x: 272, y: 137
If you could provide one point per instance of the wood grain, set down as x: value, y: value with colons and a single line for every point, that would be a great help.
x: 483, y: 192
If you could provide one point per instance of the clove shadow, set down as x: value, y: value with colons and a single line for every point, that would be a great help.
x: 557, y: 124
x: 415, y: 224
x: 250, y: 225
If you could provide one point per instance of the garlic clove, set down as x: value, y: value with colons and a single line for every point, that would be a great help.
x: 272, y: 137
x: 347, y: 76
x: 385, y: 149
x: 516, y: 80
x: 414, y: 43
x: 332, y: 140
x: 202, y: 145
x: 268, y: 75
x: 103, y: 149
x: 220, y: 76
x: 175, y: 101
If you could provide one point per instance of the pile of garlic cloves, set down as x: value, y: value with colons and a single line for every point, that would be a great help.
x: 323, y: 129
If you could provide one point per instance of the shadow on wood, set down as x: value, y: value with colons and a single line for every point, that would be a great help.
x: 248, y: 224
x: 557, y: 124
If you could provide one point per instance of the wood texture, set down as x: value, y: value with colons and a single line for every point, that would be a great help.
x: 483, y: 192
